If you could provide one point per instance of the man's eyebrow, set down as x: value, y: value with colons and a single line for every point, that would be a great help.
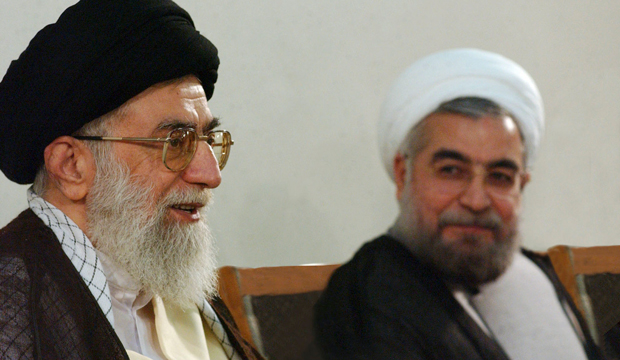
x: 179, y: 124
x: 174, y: 124
x: 211, y: 125
x: 504, y: 163
x: 444, y: 154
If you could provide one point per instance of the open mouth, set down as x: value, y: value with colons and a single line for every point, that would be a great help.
x: 188, y: 208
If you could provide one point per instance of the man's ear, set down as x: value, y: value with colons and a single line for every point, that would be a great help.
x: 525, y: 178
x: 399, y: 167
x: 71, y: 167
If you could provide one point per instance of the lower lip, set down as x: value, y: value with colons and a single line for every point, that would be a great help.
x: 185, y: 216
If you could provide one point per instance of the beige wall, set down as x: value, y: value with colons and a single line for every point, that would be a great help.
x: 300, y: 87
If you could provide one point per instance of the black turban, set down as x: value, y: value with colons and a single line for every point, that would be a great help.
x: 98, y: 55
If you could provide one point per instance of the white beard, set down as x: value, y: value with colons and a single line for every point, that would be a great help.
x: 132, y: 227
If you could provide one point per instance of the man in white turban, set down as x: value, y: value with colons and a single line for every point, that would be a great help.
x: 458, y: 134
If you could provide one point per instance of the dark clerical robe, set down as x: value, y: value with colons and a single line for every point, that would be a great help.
x: 385, y: 304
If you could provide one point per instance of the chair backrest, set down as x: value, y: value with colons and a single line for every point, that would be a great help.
x: 272, y: 306
x: 592, y: 277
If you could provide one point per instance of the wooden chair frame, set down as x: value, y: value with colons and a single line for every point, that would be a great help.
x: 237, y: 284
x: 572, y: 264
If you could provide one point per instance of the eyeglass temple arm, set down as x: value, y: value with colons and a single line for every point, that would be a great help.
x: 113, y: 138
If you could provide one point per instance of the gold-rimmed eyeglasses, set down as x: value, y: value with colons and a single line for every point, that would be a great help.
x: 180, y: 145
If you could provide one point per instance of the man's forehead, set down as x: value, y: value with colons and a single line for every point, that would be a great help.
x: 188, y: 86
x: 191, y: 88
x: 484, y: 140
x: 178, y: 103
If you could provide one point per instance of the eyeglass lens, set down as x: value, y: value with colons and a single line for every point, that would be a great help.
x: 181, y: 147
x: 220, y: 143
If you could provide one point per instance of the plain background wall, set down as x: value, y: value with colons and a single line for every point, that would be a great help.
x: 300, y: 87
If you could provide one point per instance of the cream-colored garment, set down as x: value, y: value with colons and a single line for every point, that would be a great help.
x: 151, y: 329
x: 135, y: 356
x: 181, y: 334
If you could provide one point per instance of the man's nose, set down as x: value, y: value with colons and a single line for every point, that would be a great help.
x: 204, y: 169
x: 475, y: 196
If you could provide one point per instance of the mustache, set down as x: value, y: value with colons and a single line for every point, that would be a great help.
x: 191, y: 195
x: 489, y: 220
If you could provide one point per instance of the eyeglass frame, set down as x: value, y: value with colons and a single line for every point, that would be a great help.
x: 166, y: 142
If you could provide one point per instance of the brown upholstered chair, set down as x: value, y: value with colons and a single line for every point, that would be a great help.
x: 273, y: 306
x: 592, y: 277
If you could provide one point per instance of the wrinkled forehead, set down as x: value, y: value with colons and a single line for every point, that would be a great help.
x: 165, y: 106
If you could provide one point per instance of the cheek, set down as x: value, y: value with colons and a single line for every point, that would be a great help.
x: 434, y: 200
x: 428, y: 204
x: 151, y: 171
x: 163, y: 185
x: 158, y: 182
x: 508, y: 209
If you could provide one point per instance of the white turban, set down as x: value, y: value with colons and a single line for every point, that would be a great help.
x: 451, y: 74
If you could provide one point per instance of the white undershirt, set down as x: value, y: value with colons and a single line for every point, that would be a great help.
x: 134, y: 325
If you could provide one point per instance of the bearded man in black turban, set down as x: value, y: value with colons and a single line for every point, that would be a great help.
x: 106, y: 114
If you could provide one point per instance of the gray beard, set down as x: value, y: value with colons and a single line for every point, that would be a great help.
x: 471, y: 269
x: 128, y: 224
